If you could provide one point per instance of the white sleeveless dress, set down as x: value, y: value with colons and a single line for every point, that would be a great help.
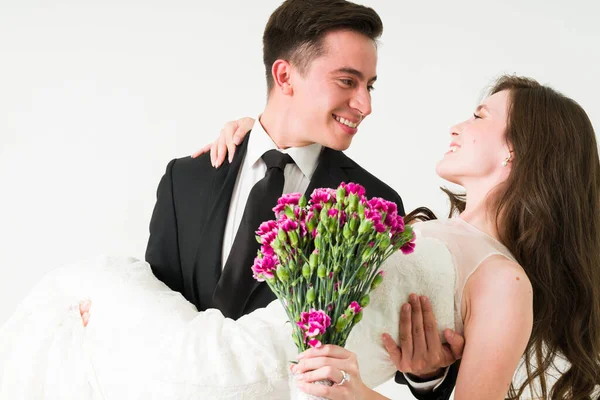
x: 145, y: 341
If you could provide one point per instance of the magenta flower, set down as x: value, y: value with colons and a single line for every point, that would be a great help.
x: 267, y: 250
x: 396, y: 225
x: 333, y: 213
x: 299, y: 213
x: 391, y: 207
x: 354, y: 188
x: 287, y: 224
x: 409, y: 247
x: 316, y: 343
x: 322, y: 195
x: 267, y: 238
x: 355, y: 307
x: 378, y: 204
x: 303, y: 230
x: 314, y: 323
x: 266, y: 227
x: 374, y: 216
x: 290, y: 199
x: 264, y: 268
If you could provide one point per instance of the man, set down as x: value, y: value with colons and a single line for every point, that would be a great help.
x: 320, y: 59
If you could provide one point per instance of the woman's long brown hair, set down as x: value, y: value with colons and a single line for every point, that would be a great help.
x: 548, y: 215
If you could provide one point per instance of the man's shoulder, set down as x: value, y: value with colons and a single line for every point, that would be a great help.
x: 188, y: 166
x: 186, y: 172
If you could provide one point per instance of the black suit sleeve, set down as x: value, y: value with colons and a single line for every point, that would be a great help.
x: 443, y: 392
x: 162, y: 252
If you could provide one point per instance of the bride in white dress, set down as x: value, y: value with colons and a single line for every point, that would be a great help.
x: 145, y: 341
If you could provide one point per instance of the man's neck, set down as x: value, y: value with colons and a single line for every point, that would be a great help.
x: 277, y: 121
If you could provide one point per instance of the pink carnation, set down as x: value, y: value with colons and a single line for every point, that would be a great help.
x: 314, y: 323
x: 266, y: 227
x: 396, y: 224
x: 333, y: 213
x: 303, y: 230
x: 287, y: 224
x: 267, y: 238
x: 409, y: 247
x: 376, y: 218
x: 291, y: 199
x: 355, y: 307
x: 354, y: 188
x: 267, y: 250
x: 322, y: 195
x: 378, y: 204
x: 265, y: 268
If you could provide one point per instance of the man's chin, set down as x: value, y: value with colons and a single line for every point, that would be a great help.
x: 340, y: 145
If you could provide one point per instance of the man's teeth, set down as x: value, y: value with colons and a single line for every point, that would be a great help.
x: 453, y: 149
x: 346, y: 122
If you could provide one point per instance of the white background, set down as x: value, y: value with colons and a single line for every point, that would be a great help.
x: 97, y: 97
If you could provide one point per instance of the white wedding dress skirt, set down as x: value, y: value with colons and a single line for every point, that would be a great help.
x: 144, y: 341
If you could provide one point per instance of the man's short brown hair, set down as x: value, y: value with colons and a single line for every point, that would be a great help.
x: 296, y: 29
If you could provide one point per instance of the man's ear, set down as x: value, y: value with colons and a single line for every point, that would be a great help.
x: 282, y: 73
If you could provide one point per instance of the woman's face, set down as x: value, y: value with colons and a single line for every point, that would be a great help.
x: 478, y: 146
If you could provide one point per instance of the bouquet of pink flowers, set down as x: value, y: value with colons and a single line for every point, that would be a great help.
x: 322, y: 258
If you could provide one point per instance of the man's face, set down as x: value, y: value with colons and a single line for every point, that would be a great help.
x: 333, y: 96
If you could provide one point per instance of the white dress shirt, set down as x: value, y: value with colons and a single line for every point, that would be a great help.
x: 253, y: 169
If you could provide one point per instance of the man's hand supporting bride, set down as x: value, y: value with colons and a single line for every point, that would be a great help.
x: 421, y: 356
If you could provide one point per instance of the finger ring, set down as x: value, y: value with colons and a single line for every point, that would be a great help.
x: 345, y: 377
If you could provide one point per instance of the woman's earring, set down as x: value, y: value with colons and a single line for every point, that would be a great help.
x: 506, y: 160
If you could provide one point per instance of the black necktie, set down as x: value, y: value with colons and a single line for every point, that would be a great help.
x: 236, y: 283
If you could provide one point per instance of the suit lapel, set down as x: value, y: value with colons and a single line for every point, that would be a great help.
x: 208, y: 261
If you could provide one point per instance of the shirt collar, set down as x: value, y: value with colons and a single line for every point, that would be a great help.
x: 306, y: 157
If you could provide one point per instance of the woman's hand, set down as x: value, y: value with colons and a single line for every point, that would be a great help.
x: 333, y: 363
x: 232, y: 134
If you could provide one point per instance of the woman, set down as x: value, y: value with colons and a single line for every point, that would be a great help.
x: 522, y: 254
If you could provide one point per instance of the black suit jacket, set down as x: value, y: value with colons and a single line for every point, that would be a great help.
x: 188, y: 225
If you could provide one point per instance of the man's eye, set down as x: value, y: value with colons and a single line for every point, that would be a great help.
x: 476, y: 116
x: 347, y: 82
x: 370, y: 88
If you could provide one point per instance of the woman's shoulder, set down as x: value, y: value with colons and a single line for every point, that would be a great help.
x: 501, y: 279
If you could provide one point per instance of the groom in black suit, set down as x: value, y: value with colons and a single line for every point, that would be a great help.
x: 320, y: 58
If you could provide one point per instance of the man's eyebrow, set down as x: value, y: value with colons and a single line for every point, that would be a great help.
x: 355, y: 72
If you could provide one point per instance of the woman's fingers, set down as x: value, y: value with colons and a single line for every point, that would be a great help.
x: 327, y: 350
x: 315, y: 363
x: 203, y: 150
x: 328, y: 372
